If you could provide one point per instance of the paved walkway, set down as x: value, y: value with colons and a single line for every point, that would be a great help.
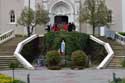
x: 67, y: 76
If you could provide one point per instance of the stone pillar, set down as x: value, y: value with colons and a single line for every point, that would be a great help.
x: 76, y: 14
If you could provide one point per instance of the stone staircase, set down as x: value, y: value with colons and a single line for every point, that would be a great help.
x: 119, y: 51
x: 6, y: 52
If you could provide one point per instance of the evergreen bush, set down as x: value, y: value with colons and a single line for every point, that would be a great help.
x: 53, y: 58
x: 79, y: 59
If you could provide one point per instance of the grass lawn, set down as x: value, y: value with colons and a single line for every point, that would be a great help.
x: 122, y: 81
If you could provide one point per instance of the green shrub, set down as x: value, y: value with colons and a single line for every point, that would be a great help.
x: 119, y: 81
x: 123, y: 63
x: 79, y: 59
x: 73, y: 40
x: 13, y: 65
x: 122, y: 33
x: 53, y: 58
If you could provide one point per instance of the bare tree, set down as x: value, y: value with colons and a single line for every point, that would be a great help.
x: 30, y: 18
x: 95, y: 13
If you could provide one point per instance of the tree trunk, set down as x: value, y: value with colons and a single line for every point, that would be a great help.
x: 32, y: 29
x: 93, y: 26
x: 28, y: 31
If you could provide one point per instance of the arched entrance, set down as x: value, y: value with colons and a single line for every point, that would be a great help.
x: 60, y: 19
x: 61, y: 12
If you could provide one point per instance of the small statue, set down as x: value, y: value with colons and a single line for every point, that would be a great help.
x: 62, y: 49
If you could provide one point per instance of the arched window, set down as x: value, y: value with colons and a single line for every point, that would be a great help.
x: 12, y: 16
x: 110, y: 16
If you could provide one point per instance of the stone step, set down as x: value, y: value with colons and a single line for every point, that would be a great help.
x: 119, y: 51
x: 6, y: 52
x: 6, y: 55
x: 8, y: 47
x: 116, y: 62
x: 6, y: 60
x: 116, y: 47
x: 114, y: 67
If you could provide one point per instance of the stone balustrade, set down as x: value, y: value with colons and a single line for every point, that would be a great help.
x: 7, y: 36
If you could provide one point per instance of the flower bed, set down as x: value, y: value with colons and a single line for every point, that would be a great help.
x: 7, y: 79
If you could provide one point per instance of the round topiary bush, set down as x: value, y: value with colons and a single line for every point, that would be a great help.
x: 79, y: 59
x: 53, y: 58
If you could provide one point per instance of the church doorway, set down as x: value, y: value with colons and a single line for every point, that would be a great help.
x: 61, y: 19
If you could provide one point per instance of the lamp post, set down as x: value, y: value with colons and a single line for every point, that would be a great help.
x: 29, y: 20
x: 29, y: 4
x: 80, y: 7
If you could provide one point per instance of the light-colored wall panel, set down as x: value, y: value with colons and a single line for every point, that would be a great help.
x: 6, y: 6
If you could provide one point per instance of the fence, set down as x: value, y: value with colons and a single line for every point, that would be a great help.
x: 115, y: 36
x: 6, y: 36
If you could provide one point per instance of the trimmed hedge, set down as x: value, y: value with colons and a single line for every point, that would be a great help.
x: 73, y: 40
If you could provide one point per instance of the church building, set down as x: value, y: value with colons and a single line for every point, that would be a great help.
x: 59, y: 11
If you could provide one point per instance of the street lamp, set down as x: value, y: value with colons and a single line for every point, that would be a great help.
x: 29, y: 19
x: 80, y: 7
x: 29, y: 4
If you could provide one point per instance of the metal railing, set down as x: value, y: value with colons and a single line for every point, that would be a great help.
x: 110, y: 34
x: 6, y: 36
x: 119, y: 38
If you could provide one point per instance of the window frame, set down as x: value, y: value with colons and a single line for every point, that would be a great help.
x: 12, y: 17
